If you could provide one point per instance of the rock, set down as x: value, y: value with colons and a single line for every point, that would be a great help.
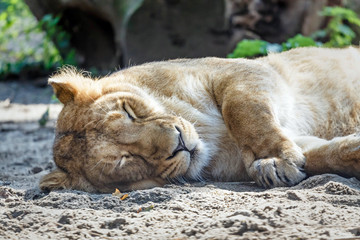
x: 64, y: 219
x: 36, y: 170
x: 116, y: 223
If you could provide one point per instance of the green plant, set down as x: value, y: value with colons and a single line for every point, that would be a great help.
x: 27, y: 43
x: 44, y: 118
x: 299, y: 41
x: 54, y: 33
x: 337, y: 33
x: 249, y: 48
x: 254, y: 48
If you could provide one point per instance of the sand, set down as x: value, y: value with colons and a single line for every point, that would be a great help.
x: 321, y: 207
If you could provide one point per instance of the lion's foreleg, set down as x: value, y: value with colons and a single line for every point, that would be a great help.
x: 270, y: 157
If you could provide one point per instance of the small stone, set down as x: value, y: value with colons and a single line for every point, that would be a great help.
x: 64, y: 220
x: 355, y: 231
x: 114, y: 224
x: 293, y: 196
x: 36, y: 170
x: 189, y: 232
x: 6, y: 183
x: 16, y: 214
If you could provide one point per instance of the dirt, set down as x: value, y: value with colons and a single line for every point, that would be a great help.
x: 321, y: 207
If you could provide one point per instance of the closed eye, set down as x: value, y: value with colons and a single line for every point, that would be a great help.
x: 129, y: 112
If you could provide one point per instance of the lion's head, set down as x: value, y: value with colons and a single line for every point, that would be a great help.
x: 113, y: 134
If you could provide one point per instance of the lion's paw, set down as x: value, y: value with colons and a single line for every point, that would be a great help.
x: 276, y: 172
x: 348, y: 147
x: 346, y: 155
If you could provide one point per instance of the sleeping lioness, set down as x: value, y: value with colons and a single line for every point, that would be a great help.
x: 274, y: 120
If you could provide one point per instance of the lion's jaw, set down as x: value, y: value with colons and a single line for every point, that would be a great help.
x: 125, y: 140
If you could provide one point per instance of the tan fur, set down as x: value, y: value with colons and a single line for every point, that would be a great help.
x: 265, y: 120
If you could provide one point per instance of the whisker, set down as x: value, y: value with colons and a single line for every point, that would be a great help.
x: 101, y: 114
x: 199, y: 177
x: 102, y: 122
x: 181, y: 179
x: 170, y: 180
x: 194, y: 123
x: 89, y: 123
x: 117, y: 164
x: 97, y: 104
x: 103, y: 109
x: 166, y: 169
x: 102, y: 170
x: 109, y: 109
x: 174, y: 169
x: 97, y: 164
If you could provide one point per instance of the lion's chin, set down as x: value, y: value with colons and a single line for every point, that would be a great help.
x: 199, y: 159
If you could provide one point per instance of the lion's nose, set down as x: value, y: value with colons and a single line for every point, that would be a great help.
x: 178, y: 129
x: 180, y: 147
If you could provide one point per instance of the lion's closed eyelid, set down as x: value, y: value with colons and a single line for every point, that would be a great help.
x: 129, y: 111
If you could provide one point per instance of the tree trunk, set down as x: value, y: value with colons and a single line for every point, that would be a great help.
x: 97, y: 27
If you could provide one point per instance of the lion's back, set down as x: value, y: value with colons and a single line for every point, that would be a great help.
x: 326, y: 83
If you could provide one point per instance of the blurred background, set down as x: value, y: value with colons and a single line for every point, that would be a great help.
x: 100, y: 36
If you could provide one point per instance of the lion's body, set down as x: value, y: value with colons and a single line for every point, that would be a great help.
x: 239, y: 120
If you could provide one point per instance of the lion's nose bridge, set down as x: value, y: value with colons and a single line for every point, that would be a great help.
x: 166, y: 125
x: 165, y: 130
x: 164, y: 136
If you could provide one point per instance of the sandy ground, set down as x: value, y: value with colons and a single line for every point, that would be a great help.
x: 321, y: 207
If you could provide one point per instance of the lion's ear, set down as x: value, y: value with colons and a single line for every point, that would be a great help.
x: 71, y: 85
x: 57, y: 179
x: 63, y: 90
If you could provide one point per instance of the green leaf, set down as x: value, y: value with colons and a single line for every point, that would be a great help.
x: 319, y: 34
x: 298, y: 41
x: 47, y: 18
x: 338, y: 31
x: 354, y: 20
x: 346, y: 30
x: 249, y: 48
x: 44, y: 118
x: 54, y: 99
